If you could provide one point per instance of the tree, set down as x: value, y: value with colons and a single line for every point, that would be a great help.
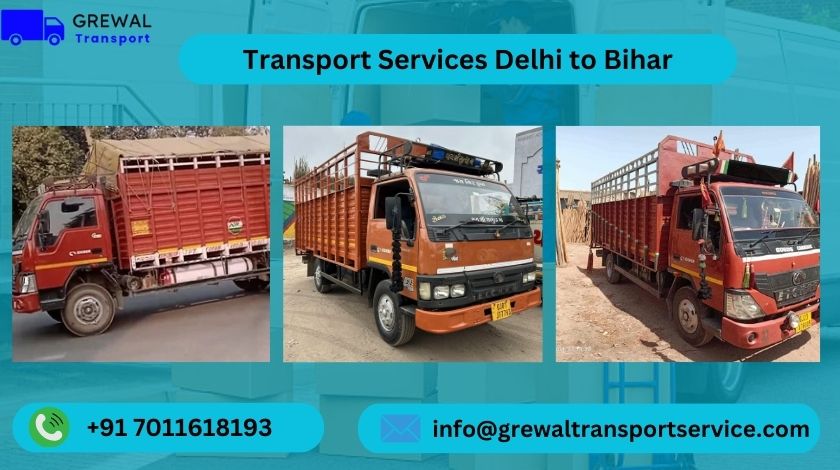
x: 301, y: 167
x: 40, y: 152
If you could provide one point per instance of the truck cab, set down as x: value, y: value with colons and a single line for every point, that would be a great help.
x: 762, y: 252
x: 464, y: 241
x: 61, y: 232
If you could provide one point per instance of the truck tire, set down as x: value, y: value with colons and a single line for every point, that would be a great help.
x: 687, y: 315
x: 613, y: 276
x: 251, y: 285
x: 395, y: 327
x: 321, y: 285
x: 89, y: 310
x: 55, y: 315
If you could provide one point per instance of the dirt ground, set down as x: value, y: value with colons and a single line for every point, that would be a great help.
x: 598, y: 321
x: 339, y: 327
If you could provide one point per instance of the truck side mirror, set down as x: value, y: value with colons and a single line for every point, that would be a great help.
x: 699, y: 224
x: 393, y: 212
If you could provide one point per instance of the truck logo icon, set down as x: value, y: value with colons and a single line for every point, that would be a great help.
x: 799, y: 277
x: 17, y: 26
x: 235, y: 225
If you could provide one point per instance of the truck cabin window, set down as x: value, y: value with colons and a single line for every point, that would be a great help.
x: 753, y: 210
x: 409, y: 216
x: 450, y: 200
x: 63, y: 216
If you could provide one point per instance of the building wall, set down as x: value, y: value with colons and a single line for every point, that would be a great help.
x: 528, y: 164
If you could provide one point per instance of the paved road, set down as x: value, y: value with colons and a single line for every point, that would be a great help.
x: 598, y: 321
x: 191, y: 325
x: 339, y: 327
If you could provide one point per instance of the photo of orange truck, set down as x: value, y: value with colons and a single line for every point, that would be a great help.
x: 145, y: 216
x: 428, y: 235
x: 729, y: 244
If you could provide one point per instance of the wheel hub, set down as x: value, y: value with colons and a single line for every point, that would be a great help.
x: 688, y: 316
x: 88, y: 310
x: 385, y: 312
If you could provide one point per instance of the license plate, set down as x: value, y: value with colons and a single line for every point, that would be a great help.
x: 500, y: 310
x: 804, y: 322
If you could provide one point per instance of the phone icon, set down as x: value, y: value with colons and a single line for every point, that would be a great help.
x: 49, y: 427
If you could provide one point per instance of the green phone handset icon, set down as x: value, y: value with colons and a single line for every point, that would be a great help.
x: 49, y: 427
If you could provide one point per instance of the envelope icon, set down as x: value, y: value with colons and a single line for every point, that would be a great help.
x: 400, y: 428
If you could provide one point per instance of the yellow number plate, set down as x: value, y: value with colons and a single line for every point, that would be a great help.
x: 804, y: 322
x: 500, y: 310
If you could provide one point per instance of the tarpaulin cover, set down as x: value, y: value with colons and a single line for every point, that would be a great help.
x: 105, y: 155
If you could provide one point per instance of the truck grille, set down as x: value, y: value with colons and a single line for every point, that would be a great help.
x: 487, y: 287
x: 789, y: 287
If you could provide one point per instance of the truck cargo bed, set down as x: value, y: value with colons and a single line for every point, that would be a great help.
x: 178, y: 209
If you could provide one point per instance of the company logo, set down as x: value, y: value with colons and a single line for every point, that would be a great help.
x: 117, y: 29
x: 499, y: 278
x: 17, y: 26
x: 49, y: 427
x: 799, y: 277
x: 235, y: 225
x: 79, y: 252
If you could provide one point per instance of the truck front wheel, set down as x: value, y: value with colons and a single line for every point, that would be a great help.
x: 89, y: 310
x: 688, y: 313
x: 394, y: 326
x: 613, y: 276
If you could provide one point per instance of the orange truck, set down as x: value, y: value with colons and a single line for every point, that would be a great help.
x: 429, y: 235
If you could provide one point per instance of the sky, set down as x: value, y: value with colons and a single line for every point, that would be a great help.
x: 317, y: 144
x: 588, y: 153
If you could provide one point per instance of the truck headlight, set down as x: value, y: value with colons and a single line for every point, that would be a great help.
x: 529, y: 277
x: 742, y: 306
x: 28, y: 284
x: 441, y: 292
x: 425, y: 291
x: 457, y: 290
x: 793, y: 320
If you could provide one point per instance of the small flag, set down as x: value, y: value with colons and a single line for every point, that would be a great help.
x: 788, y: 164
x: 719, y: 145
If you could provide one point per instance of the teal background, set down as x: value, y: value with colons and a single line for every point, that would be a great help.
x: 786, y: 74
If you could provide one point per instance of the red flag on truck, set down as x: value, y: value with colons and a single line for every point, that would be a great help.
x: 788, y: 164
x: 719, y: 145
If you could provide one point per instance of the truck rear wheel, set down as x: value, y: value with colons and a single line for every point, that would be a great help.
x: 251, y: 285
x: 613, y: 276
x: 395, y: 327
x: 322, y: 285
x: 688, y: 313
x: 89, y: 310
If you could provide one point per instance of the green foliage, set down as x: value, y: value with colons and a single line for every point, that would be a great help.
x: 153, y: 132
x: 40, y: 152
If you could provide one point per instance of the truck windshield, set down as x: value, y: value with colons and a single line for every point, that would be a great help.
x: 450, y: 200
x: 752, y: 211
x: 25, y: 223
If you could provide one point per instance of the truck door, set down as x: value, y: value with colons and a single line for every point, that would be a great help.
x: 685, y: 251
x: 380, y: 239
x: 70, y: 232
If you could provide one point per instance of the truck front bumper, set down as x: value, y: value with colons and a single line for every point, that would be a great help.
x: 26, y: 303
x: 763, y: 334
x: 472, y: 315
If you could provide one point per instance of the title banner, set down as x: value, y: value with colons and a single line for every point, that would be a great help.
x: 457, y: 59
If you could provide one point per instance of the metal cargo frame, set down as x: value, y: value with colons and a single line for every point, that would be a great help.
x: 332, y: 200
